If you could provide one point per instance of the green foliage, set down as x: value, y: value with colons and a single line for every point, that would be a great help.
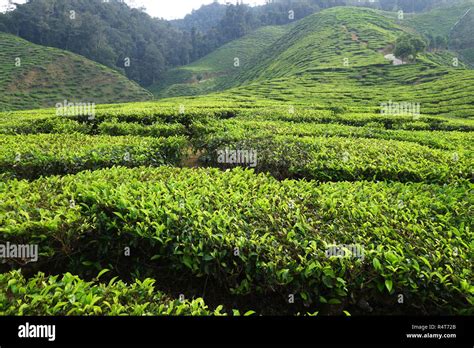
x: 320, y: 146
x: 340, y: 159
x: 192, y: 221
x: 154, y: 130
x: 69, y: 295
x: 32, y: 156
x: 409, y: 46
x: 44, y: 125
x: 398, y: 185
x: 404, y: 49
x: 47, y: 76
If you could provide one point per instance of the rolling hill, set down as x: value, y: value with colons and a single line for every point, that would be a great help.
x: 210, y: 72
x: 437, y: 22
x: 336, y: 58
x: 33, y: 76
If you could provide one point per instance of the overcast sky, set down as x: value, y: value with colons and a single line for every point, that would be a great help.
x: 169, y: 9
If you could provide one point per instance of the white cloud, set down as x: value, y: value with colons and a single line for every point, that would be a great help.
x: 169, y: 9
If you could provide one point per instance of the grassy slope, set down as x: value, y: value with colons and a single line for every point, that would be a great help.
x: 47, y: 76
x: 208, y: 73
x: 322, y: 41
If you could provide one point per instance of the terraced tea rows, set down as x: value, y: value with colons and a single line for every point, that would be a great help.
x: 33, y: 76
x: 349, y: 208
x: 336, y: 159
x: 336, y: 59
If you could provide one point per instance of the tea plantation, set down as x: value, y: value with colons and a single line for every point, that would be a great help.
x: 348, y: 210
x: 33, y: 76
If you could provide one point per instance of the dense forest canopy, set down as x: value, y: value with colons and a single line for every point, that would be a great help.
x: 108, y: 32
x: 142, y: 47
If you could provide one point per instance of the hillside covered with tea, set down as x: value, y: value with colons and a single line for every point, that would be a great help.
x: 33, y: 76
x: 316, y: 177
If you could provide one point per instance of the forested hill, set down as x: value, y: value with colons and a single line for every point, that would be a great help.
x: 110, y: 33
x: 203, y: 19
x: 145, y: 48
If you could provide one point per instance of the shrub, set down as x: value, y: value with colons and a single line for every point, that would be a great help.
x: 70, y: 295
x: 415, y: 236
x: 32, y: 156
x: 339, y: 159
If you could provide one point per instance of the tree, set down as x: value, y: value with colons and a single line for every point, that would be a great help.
x: 152, y: 66
x: 404, y: 49
x: 408, y: 46
x: 418, y: 44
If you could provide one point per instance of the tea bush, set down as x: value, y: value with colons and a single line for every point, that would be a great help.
x: 254, y: 234
x: 136, y: 129
x: 245, y: 128
x: 32, y: 156
x: 344, y: 159
x: 70, y: 295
